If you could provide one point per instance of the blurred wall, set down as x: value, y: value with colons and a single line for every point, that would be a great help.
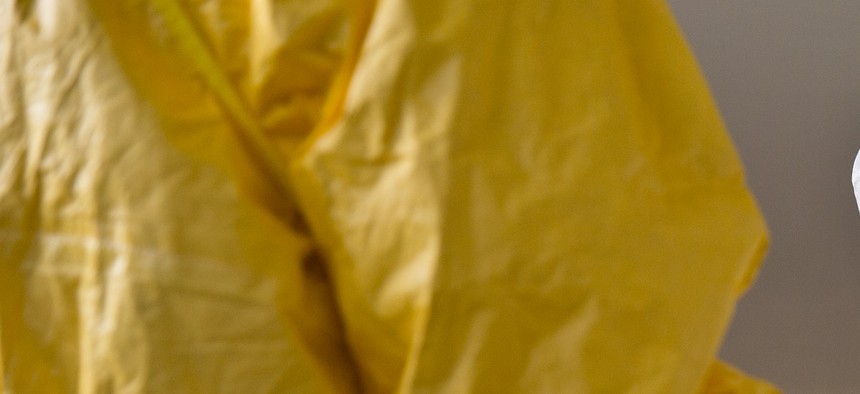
x: 786, y: 75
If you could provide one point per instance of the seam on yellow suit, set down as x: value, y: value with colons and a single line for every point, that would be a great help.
x: 310, y: 198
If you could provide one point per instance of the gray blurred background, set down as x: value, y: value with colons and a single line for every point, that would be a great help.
x: 786, y: 75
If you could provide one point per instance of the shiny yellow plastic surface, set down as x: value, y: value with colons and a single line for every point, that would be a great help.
x: 406, y: 196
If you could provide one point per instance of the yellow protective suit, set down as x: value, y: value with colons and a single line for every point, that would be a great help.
x: 411, y: 196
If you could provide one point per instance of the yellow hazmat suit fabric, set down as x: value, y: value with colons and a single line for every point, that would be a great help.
x: 405, y: 196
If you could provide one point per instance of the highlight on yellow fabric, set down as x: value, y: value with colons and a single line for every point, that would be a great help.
x: 406, y: 196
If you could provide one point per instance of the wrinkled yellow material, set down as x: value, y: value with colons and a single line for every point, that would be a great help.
x: 407, y: 196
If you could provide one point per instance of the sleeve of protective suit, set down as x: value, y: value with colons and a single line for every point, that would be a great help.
x: 530, y: 197
x: 410, y: 196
